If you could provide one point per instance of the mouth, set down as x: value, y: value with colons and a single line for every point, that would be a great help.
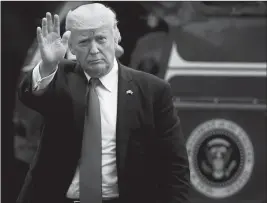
x: 95, y: 61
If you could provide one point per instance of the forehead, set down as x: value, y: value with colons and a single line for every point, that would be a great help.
x: 88, y: 33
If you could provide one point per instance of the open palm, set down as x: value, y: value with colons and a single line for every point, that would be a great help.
x: 52, y: 46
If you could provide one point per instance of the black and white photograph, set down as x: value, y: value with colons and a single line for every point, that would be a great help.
x: 133, y: 101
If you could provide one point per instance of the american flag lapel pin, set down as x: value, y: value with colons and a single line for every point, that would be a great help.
x: 129, y: 92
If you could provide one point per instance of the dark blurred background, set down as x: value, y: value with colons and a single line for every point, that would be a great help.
x: 212, y: 53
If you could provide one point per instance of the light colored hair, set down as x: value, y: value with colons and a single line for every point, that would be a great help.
x: 93, y: 15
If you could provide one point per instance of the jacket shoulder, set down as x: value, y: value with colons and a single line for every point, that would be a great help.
x: 145, y: 78
x: 67, y: 66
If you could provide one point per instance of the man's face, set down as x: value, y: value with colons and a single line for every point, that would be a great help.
x: 94, y: 49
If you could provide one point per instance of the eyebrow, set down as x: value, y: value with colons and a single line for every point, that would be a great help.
x: 101, y: 32
x: 95, y: 34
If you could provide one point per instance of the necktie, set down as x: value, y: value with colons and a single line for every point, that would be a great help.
x: 91, y: 154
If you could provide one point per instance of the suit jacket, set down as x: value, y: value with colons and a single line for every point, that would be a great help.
x: 151, y: 158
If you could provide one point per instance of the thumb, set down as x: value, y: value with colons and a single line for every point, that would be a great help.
x: 65, y: 38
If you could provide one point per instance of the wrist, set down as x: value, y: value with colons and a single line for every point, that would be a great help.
x: 47, y: 68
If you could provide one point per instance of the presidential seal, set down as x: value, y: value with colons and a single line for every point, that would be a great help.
x: 221, y: 158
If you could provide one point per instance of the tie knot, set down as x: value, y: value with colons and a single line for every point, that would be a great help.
x: 94, y: 82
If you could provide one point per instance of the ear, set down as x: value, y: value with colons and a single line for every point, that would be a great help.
x: 71, y: 48
x: 118, y: 50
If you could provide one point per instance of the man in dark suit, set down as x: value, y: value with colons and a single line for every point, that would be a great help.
x: 142, y: 151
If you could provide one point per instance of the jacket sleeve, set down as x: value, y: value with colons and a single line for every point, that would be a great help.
x: 41, y: 103
x: 174, y: 177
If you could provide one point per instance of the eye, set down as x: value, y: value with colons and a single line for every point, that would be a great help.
x: 83, y: 41
x: 101, y: 39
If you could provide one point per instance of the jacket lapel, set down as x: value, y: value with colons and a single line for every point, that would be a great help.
x: 77, y: 85
x: 125, y: 113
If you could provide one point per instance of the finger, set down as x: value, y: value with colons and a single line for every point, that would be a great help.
x: 39, y: 36
x: 49, y: 22
x: 65, y: 38
x: 56, y: 24
x: 44, y: 27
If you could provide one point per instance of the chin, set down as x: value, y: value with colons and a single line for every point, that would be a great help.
x: 98, y: 67
x: 97, y: 70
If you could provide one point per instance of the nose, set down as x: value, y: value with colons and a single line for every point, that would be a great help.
x: 93, y: 48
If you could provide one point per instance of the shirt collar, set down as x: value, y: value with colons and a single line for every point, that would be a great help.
x: 108, y: 80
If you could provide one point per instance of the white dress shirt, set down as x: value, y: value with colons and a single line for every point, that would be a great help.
x: 107, y: 93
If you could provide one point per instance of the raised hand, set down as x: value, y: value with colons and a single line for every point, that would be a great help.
x: 52, y: 47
